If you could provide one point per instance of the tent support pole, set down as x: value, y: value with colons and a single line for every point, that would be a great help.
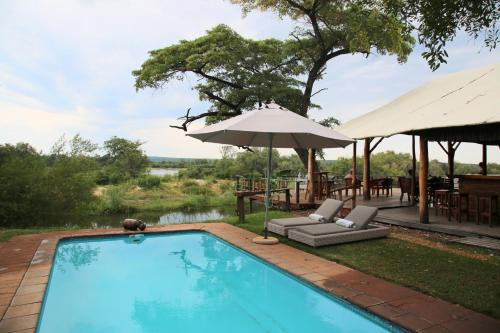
x: 354, y: 179
x: 268, y: 182
x: 413, y: 171
x: 451, y: 173
x: 485, y: 160
x: 366, y: 170
x: 422, y: 180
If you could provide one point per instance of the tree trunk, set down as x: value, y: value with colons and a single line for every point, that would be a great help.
x: 310, y: 175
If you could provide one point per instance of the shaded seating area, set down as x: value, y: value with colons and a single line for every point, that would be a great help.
x: 455, y: 108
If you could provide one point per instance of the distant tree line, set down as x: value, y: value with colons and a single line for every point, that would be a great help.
x: 253, y: 164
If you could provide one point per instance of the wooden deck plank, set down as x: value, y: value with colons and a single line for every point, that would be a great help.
x: 486, y: 242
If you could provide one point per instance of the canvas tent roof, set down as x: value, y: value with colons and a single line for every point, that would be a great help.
x: 462, y: 106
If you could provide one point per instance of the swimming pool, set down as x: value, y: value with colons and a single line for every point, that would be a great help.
x: 183, y: 282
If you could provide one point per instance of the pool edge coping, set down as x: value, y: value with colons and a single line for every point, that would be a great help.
x: 282, y: 257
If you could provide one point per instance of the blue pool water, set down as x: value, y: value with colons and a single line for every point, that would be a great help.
x: 183, y: 282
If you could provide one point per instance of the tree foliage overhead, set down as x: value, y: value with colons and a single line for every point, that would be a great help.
x: 435, y: 22
x: 236, y: 73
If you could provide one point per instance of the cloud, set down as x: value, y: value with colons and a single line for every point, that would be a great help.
x: 162, y: 140
x: 42, y: 127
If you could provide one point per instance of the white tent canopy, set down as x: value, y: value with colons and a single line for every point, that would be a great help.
x: 470, y: 97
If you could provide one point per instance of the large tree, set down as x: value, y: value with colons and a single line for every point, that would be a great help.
x: 235, y: 73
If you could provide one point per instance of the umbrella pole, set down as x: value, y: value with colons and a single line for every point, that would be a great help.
x: 268, y: 181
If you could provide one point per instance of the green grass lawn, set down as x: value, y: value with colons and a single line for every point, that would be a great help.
x: 473, y: 283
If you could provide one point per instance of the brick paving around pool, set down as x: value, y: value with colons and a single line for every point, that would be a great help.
x: 25, y: 263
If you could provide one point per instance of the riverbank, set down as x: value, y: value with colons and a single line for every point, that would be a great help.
x: 168, y: 195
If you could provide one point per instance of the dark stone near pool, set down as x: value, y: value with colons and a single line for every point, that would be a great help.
x: 133, y: 224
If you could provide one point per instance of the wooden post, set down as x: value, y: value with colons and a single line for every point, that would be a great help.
x: 288, y: 204
x: 451, y: 157
x: 297, y: 195
x: 413, y: 171
x: 485, y: 160
x: 451, y: 169
x: 366, y: 171
x: 310, y: 175
x: 354, y: 175
x: 240, y: 208
x: 422, y: 179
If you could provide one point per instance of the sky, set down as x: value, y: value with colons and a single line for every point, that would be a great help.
x: 65, y: 68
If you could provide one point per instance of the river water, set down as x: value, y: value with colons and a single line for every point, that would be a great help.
x: 160, y: 172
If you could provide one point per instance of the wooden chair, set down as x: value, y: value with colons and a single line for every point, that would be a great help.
x: 405, y: 186
x: 441, y: 201
x: 459, y: 206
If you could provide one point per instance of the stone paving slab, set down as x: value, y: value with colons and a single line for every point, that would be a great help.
x: 27, y: 262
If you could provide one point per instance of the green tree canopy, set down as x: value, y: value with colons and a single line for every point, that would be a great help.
x: 435, y: 22
x: 125, y: 157
x: 233, y: 73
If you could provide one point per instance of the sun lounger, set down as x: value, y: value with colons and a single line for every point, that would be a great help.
x: 328, y: 209
x: 331, y: 233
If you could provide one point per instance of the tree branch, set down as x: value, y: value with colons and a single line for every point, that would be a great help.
x: 189, y: 119
x: 317, y: 92
x: 337, y: 53
x: 220, y: 99
x: 214, y: 78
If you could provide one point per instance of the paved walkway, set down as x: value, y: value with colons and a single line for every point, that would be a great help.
x: 25, y: 263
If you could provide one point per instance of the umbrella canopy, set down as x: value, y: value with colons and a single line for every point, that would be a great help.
x: 289, y: 130
x: 271, y: 126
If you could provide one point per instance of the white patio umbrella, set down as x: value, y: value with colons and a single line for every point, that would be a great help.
x: 271, y: 126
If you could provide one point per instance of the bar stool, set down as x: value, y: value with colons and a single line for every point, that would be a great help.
x: 459, y: 205
x: 441, y: 201
x: 487, y: 206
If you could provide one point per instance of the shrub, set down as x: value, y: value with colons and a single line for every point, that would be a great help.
x: 148, y: 181
x: 113, y: 200
x: 193, y: 188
